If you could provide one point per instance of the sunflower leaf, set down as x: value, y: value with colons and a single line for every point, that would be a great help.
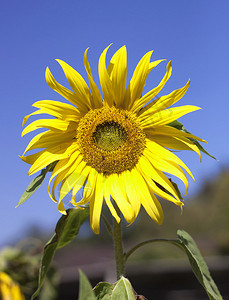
x: 51, y: 167
x: 33, y: 186
x: 36, y: 183
x: 103, y: 290
x: 123, y: 290
x: 201, y: 148
x: 49, y: 289
x: 177, y: 125
x: 181, y: 127
x: 198, y: 264
x: 176, y: 188
x: 66, y: 230
x: 85, y: 292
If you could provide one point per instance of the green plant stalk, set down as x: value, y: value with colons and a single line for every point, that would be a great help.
x: 118, y: 246
x: 131, y: 251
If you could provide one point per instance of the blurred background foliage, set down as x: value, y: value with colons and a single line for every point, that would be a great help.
x: 22, y: 261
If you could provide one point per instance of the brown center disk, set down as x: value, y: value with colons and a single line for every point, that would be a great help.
x: 110, y: 140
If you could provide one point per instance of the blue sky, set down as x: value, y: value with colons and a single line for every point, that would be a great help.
x: 193, y: 34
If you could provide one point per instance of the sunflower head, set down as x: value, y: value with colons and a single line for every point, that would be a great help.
x: 114, y: 145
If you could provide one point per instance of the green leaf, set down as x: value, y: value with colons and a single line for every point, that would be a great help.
x: 103, y: 290
x: 51, y: 167
x: 176, y: 188
x: 36, y: 183
x: 201, y: 148
x: 123, y: 290
x: 49, y: 290
x: 32, y: 187
x: 85, y: 292
x: 198, y: 264
x: 66, y: 230
x: 177, y: 125
x: 181, y: 127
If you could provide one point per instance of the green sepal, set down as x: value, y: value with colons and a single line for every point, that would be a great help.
x: 85, y: 291
x: 181, y: 127
x: 66, y: 230
x: 36, y: 183
x: 198, y: 264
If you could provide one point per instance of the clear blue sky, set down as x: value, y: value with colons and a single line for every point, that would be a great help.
x: 193, y: 34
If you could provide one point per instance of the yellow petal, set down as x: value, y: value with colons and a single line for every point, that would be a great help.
x: 156, y: 190
x: 96, y: 205
x: 118, y: 75
x: 67, y: 94
x: 149, y: 170
x: 62, y: 176
x: 119, y: 198
x: 71, y: 178
x: 162, y: 153
x: 153, y: 64
x: 50, y: 155
x: 107, y: 197
x: 88, y: 188
x: 151, y: 94
x: 59, y: 177
x: 37, y: 112
x: 171, y: 131
x: 154, y: 209
x: 105, y: 81
x: 52, y: 124
x: 96, y: 97
x: 77, y: 83
x: 131, y: 191
x: 167, y: 166
x: 81, y: 181
x: 176, y: 143
x: 30, y: 159
x: 148, y: 200
x: 48, y: 139
x: 62, y: 165
x: 55, y: 109
x: 165, y: 101
x: 61, y: 208
x: 59, y: 109
x: 137, y: 82
x: 166, y: 116
x: 74, y: 181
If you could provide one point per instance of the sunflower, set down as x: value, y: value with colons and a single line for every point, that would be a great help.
x: 114, y: 145
x: 9, y: 289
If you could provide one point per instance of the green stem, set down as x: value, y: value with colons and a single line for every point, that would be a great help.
x: 117, y: 239
x: 108, y: 226
x: 131, y: 251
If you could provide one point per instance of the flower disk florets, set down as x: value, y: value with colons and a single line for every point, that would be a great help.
x: 110, y: 139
